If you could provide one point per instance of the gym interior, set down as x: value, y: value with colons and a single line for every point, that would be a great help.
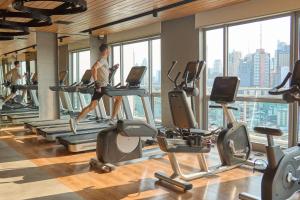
x: 135, y: 99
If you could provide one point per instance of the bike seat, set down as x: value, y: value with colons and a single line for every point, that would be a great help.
x: 268, y: 131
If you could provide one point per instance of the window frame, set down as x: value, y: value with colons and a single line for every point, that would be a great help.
x: 152, y: 95
x: 71, y: 70
x: 294, y: 40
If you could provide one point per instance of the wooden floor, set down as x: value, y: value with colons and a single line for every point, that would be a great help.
x: 135, y: 181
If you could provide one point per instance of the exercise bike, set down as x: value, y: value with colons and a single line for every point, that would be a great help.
x: 233, y: 141
x: 281, y: 178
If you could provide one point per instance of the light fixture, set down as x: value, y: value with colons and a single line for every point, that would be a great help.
x: 14, y: 29
x: 67, y: 7
x: 36, y: 19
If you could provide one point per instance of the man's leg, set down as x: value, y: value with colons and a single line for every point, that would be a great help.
x: 86, y: 110
x: 116, y: 107
x: 11, y: 96
x: 24, y: 94
x: 82, y: 114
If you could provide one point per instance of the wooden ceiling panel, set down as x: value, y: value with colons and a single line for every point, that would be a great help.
x: 105, y: 11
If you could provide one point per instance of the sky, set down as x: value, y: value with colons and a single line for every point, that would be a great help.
x: 246, y: 37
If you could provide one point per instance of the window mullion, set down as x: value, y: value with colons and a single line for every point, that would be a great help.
x: 225, y: 59
x: 293, y: 109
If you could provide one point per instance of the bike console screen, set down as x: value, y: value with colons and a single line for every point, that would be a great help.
x: 224, y: 89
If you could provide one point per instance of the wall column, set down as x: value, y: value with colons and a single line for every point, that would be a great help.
x: 47, y: 64
x: 63, y: 60
x: 179, y: 41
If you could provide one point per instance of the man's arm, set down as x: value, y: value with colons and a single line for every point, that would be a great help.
x: 95, y: 70
x: 7, y: 74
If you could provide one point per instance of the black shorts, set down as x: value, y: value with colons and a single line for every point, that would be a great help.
x: 98, y: 95
x: 13, y: 89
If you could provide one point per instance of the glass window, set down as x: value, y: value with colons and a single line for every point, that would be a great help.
x: 215, y: 117
x: 145, y: 53
x: 259, y: 53
x: 214, y: 56
x: 274, y: 115
x: 23, y: 71
x: 84, y: 62
x: 80, y: 63
x: 117, y: 60
x: 156, y: 66
x: 74, y: 67
x: 156, y: 78
x: 136, y: 54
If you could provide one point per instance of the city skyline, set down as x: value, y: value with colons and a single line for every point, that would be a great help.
x: 258, y: 71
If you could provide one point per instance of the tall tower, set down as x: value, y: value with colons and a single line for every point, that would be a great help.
x: 260, y: 36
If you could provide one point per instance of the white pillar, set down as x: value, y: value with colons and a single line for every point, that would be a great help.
x: 179, y: 41
x: 47, y: 65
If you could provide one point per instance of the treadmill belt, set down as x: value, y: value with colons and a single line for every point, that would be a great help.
x: 16, y: 117
x: 47, y: 123
x: 62, y: 125
x: 65, y: 129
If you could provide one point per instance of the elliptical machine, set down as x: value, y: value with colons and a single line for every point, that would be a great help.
x: 281, y: 177
x: 233, y: 141
x: 123, y: 143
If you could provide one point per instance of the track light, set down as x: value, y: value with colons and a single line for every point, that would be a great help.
x: 155, y: 13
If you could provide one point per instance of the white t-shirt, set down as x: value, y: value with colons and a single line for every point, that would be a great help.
x: 14, y: 76
x: 103, y: 72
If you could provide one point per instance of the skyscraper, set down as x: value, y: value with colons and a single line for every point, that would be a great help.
x: 234, y: 59
x: 261, y: 68
x: 245, y: 71
x: 281, y: 59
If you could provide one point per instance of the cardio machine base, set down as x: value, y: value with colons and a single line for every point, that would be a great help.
x: 147, y: 154
x: 180, y: 180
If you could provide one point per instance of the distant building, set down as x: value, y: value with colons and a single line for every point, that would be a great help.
x: 234, y: 60
x: 283, y: 72
x: 261, y: 68
x: 217, y: 67
x: 281, y: 59
x: 245, y: 71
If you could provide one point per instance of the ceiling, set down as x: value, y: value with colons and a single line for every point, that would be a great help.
x: 105, y: 11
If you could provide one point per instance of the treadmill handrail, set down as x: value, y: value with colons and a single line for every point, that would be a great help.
x: 278, y: 90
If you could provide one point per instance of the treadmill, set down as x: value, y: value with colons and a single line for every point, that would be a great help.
x: 33, y: 112
x: 88, y: 141
x: 22, y: 111
x: 50, y: 130
x: 66, y: 107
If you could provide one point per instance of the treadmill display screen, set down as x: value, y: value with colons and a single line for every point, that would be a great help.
x: 87, y: 77
x: 224, y: 89
x: 136, y: 75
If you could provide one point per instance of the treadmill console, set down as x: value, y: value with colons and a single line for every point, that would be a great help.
x: 86, y: 78
x: 225, y: 89
x: 135, y: 76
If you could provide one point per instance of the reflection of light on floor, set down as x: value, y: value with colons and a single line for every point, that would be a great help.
x: 148, y: 194
x: 20, y: 141
x: 12, y: 128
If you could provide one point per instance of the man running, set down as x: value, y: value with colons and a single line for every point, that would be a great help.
x: 12, y: 77
x: 100, y: 74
